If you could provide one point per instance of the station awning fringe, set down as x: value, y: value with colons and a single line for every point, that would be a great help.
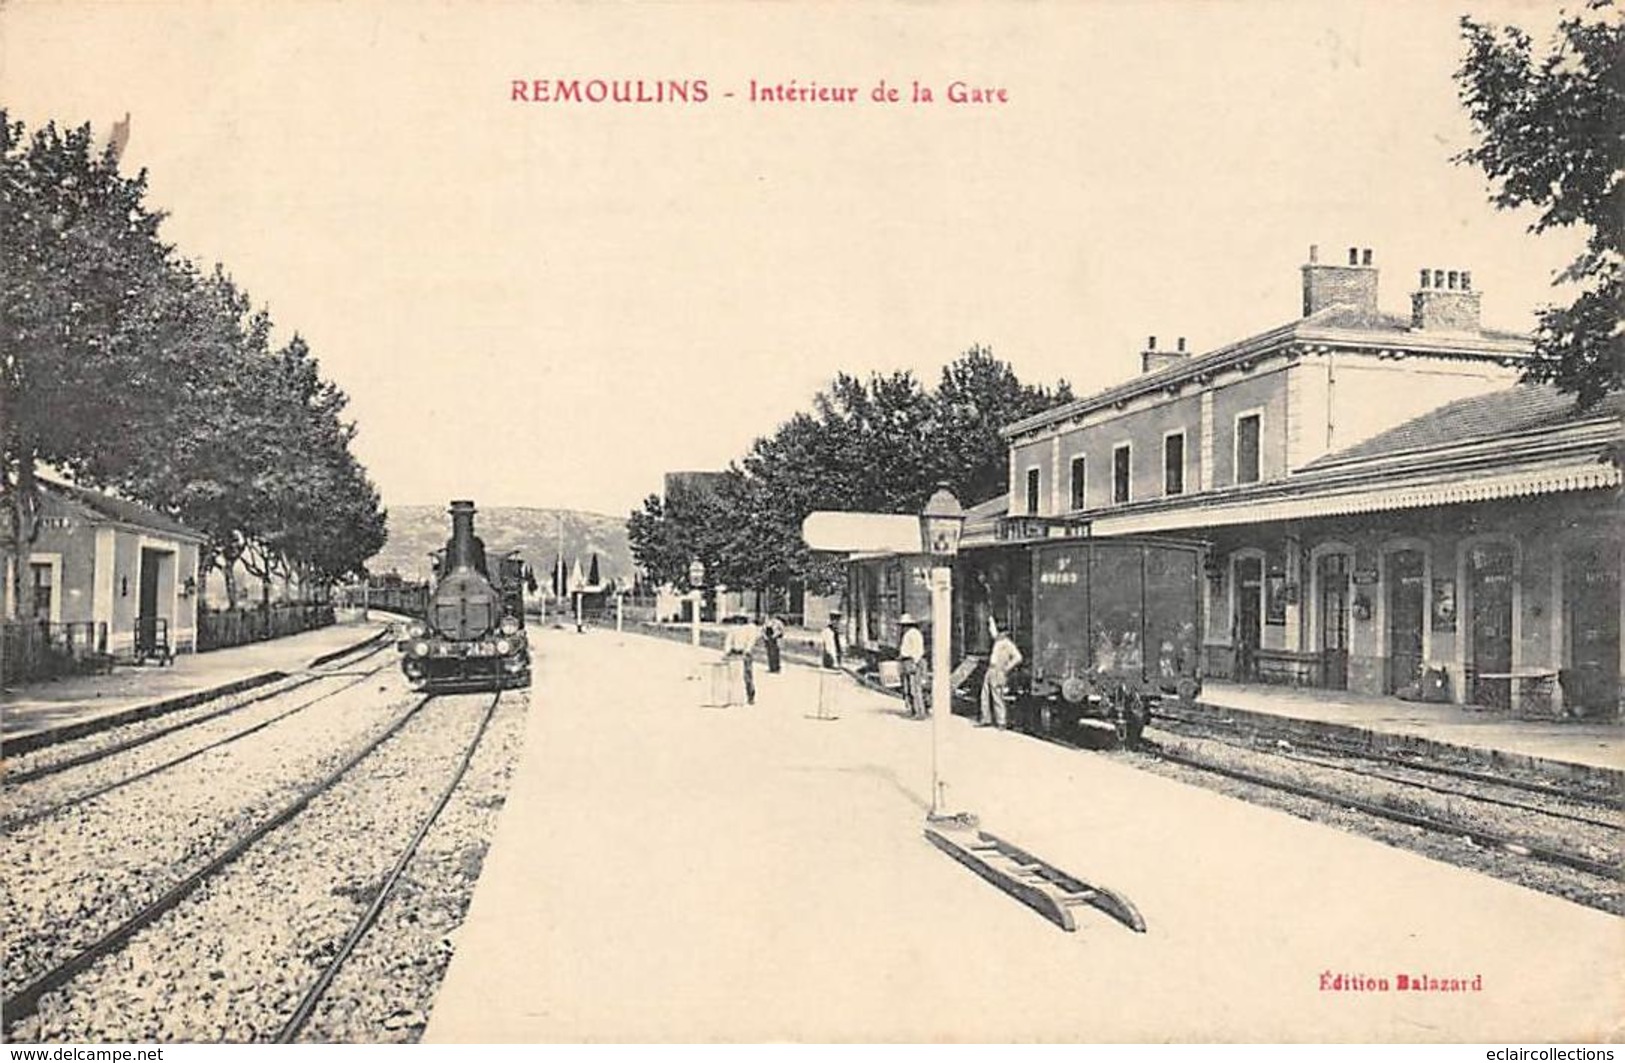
x: 1367, y: 499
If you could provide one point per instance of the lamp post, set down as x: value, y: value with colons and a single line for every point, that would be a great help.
x: 941, y: 523
x: 696, y: 577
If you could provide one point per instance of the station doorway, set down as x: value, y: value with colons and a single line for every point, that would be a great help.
x: 1249, y: 616
x: 1489, y: 605
x: 1332, y: 576
x: 1407, y: 601
x: 1591, y: 608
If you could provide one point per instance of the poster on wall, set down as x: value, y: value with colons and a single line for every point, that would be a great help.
x: 1444, y: 604
x: 1276, y: 599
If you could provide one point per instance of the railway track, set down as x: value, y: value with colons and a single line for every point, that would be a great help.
x: 318, y: 989
x: 26, y: 1001
x: 1451, y: 827
x: 1192, y: 725
x: 14, y: 778
x: 38, y: 814
x: 1509, y: 827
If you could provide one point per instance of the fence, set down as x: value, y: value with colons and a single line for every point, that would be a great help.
x: 236, y: 627
x: 42, y: 650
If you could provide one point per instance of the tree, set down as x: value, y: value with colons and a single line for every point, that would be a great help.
x: 127, y: 367
x: 1552, y: 136
x: 879, y: 444
x: 978, y: 397
x: 87, y: 305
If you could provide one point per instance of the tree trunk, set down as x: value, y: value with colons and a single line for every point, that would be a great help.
x: 24, y: 532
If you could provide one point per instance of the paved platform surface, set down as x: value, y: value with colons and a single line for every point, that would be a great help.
x: 1588, y: 744
x: 666, y: 872
x: 1592, y: 744
x: 45, y: 706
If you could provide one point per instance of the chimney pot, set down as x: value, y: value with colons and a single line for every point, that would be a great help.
x: 1445, y: 302
x: 1151, y: 343
x: 1181, y: 344
x: 1332, y: 284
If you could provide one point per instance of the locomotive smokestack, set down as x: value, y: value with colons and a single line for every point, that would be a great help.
x: 463, y: 550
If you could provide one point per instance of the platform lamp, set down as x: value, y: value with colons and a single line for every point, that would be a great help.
x: 696, y: 577
x: 941, y: 524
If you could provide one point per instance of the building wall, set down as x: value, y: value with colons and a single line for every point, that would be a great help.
x: 1312, y: 406
x: 1345, y: 398
x: 126, y: 590
x: 1144, y: 431
x: 1540, y: 531
x: 1265, y: 393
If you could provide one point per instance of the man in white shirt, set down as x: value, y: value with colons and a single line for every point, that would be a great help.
x: 741, y: 643
x: 1003, y: 658
x: 911, y: 663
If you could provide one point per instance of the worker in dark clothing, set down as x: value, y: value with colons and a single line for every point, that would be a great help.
x: 772, y: 633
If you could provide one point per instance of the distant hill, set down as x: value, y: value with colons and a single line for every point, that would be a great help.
x: 416, y: 531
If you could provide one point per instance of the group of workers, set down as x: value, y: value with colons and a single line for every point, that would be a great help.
x: 913, y: 663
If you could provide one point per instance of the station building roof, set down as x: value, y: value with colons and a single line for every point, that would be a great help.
x: 1518, y: 442
x: 64, y: 501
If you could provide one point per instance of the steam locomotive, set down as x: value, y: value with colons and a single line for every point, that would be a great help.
x: 472, y: 634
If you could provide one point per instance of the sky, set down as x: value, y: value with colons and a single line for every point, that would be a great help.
x: 554, y: 303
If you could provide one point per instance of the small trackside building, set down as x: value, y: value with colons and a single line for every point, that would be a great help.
x: 104, y: 569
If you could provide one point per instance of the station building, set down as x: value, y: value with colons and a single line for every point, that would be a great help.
x: 107, y: 573
x: 1389, y: 511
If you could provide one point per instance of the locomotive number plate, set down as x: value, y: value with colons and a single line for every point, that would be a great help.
x: 466, y: 649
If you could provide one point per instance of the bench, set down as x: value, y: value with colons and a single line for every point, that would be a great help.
x: 1299, y: 668
x: 1531, y: 690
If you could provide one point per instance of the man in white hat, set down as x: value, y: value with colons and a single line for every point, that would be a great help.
x: 911, y: 663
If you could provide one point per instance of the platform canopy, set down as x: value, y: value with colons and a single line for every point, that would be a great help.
x: 862, y: 533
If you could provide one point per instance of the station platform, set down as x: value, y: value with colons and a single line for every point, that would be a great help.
x: 36, y: 714
x: 1551, y: 746
x: 667, y: 872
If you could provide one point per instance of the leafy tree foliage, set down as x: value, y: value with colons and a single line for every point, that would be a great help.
x: 1552, y: 136
x: 874, y: 445
x: 127, y: 367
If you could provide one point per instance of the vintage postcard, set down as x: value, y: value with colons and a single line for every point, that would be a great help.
x: 809, y: 522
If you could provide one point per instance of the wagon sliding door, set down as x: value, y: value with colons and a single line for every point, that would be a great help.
x: 1173, y: 592
x: 1060, y: 619
x: 1117, y: 592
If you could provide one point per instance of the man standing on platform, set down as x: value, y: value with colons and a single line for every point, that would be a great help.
x: 911, y: 663
x: 832, y: 642
x: 772, y: 632
x: 741, y: 644
x: 1003, y: 658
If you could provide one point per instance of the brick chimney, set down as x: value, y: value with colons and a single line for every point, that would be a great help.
x: 1152, y: 360
x: 1445, y: 302
x: 1353, y: 285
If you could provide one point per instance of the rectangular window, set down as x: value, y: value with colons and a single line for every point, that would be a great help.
x: 1078, y: 482
x: 1173, y: 464
x: 1032, y: 491
x: 41, y: 574
x: 1247, y: 456
x: 1120, y: 468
